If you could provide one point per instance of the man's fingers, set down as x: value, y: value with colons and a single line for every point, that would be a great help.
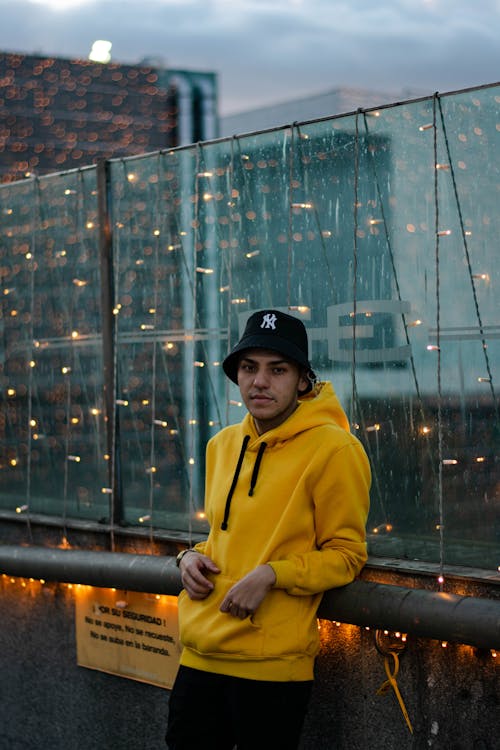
x: 235, y: 609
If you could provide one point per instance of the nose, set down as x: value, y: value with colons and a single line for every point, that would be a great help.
x: 260, y: 379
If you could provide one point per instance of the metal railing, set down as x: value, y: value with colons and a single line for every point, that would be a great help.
x: 464, y: 619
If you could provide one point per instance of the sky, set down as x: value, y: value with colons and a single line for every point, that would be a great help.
x: 271, y: 51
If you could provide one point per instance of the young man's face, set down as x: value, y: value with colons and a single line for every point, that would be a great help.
x: 269, y: 384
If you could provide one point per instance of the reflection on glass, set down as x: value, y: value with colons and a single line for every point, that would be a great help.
x: 379, y: 232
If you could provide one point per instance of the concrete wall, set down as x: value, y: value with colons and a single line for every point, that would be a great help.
x: 452, y: 694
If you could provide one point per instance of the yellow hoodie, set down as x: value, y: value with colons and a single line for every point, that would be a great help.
x: 296, y: 497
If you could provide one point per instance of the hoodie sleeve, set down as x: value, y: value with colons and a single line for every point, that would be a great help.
x: 340, y: 493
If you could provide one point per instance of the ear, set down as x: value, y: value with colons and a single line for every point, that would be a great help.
x: 304, y: 384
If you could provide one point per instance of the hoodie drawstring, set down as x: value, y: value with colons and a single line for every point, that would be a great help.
x: 253, y: 480
x: 233, y: 484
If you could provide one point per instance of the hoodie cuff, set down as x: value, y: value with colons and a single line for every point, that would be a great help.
x: 285, y: 573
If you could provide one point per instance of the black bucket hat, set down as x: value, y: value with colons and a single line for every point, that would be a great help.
x: 275, y: 330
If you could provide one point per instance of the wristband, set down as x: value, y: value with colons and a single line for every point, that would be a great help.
x: 181, y: 555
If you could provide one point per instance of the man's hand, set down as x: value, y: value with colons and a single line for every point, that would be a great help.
x: 194, y: 569
x: 244, y: 597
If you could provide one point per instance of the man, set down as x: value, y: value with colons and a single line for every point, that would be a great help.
x: 286, y: 497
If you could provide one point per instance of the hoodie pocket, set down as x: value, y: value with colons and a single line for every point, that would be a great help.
x: 204, y: 628
x: 282, y: 625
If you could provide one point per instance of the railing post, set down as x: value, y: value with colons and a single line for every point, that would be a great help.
x: 108, y: 339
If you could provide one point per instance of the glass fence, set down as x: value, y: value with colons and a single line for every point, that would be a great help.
x: 124, y: 286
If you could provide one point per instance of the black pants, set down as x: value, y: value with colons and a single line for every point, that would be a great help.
x: 215, y: 712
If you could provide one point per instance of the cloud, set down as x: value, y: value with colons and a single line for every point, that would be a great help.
x: 275, y: 50
x: 60, y: 5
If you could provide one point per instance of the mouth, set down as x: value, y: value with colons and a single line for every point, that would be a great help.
x: 260, y: 398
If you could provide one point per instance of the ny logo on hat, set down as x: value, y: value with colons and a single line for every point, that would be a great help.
x: 269, y: 321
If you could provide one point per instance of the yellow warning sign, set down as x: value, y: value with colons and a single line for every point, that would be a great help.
x: 128, y: 633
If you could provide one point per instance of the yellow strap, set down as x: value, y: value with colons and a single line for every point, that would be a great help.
x: 391, y: 683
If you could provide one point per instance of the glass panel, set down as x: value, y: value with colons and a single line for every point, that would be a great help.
x: 377, y: 228
x: 53, y: 440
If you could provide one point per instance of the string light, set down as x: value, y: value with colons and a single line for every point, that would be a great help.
x: 30, y: 585
x: 215, y: 232
x: 382, y: 527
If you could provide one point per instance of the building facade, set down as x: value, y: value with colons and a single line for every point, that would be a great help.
x: 58, y: 114
x: 337, y: 101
